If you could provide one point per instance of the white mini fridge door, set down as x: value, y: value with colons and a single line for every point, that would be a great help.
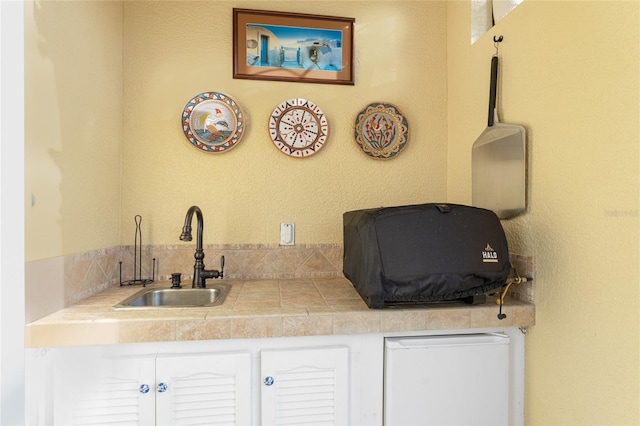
x: 447, y: 380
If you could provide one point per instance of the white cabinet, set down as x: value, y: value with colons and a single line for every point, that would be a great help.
x: 203, y: 390
x: 245, y: 385
x: 447, y: 380
x: 335, y: 380
x: 102, y: 391
x: 208, y: 389
x: 305, y: 386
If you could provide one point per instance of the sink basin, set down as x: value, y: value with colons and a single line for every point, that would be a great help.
x: 176, y: 298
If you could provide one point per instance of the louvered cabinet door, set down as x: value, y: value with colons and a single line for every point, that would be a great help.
x: 114, y: 391
x: 203, y: 389
x: 305, y: 386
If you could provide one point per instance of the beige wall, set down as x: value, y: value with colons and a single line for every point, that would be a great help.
x: 107, y: 82
x: 171, y: 55
x: 73, y: 126
x: 569, y: 74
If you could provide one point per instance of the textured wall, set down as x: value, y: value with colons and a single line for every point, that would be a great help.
x: 175, y: 50
x: 73, y: 126
x: 569, y: 74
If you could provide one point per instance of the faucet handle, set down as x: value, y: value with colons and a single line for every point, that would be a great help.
x: 222, y: 266
x: 175, y: 280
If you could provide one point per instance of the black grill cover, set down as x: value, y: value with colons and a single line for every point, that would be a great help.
x: 424, y: 253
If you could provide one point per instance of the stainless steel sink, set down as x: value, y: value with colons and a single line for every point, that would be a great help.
x: 176, y: 298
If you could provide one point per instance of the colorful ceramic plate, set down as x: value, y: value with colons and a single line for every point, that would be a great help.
x: 381, y: 131
x: 213, y: 122
x: 298, y: 127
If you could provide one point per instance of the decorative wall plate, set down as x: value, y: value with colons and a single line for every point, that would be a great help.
x: 381, y: 131
x: 298, y: 127
x: 213, y: 122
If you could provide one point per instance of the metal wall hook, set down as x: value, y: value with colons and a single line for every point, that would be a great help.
x: 497, y: 40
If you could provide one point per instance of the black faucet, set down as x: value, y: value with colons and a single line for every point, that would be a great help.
x: 200, y: 275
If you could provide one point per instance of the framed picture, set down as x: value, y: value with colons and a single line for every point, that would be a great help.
x: 296, y: 47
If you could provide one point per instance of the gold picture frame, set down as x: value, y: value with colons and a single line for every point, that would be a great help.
x: 296, y: 47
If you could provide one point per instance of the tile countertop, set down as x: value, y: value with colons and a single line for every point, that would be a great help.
x: 257, y: 309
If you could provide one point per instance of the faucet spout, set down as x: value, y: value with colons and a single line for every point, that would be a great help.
x: 200, y: 274
x: 186, y: 229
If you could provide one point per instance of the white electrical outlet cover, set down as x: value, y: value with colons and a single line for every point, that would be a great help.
x: 287, y: 234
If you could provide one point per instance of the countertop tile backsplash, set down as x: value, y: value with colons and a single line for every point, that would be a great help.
x: 53, y: 284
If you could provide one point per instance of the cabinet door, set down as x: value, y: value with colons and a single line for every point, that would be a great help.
x: 447, y: 380
x: 103, y: 391
x: 203, y: 389
x: 305, y: 386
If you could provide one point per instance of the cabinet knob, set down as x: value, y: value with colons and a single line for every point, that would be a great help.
x: 144, y: 388
x: 162, y: 387
x: 268, y: 380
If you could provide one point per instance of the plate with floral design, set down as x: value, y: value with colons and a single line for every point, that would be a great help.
x: 381, y: 131
x: 213, y: 122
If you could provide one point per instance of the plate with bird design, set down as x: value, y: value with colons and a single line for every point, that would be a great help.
x: 213, y: 122
x: 381, y: 131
